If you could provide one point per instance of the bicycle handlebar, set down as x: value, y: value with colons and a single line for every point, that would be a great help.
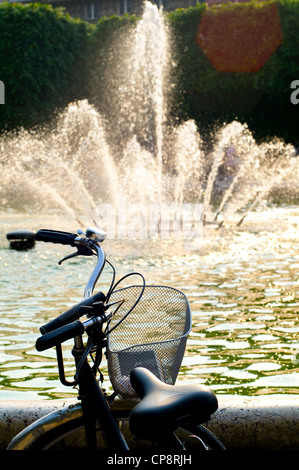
x: 72, y: 314
x: 67, y: 325
x: 56, y: 236
x: 69, y: 331
x: 94, y: 236
x: 59, y: 335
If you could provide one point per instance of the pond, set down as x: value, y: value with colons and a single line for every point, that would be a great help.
x: 242, y: 285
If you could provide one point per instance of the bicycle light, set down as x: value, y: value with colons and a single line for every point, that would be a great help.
x: 95, y: 234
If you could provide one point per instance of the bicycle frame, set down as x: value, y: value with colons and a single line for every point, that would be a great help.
x: 95, y: 406
x: 93, y: 401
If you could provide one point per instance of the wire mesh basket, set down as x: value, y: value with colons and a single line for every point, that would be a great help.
x: 153, y: 335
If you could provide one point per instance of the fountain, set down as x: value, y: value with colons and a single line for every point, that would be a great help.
x: 141, y: 178
x: 160, y: 178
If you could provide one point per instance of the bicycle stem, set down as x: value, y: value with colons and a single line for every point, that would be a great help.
x: 97, y: 270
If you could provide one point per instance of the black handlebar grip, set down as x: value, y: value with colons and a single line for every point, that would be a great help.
x: 72, y: 314
x: 59, y: 336
x: 55, y: 236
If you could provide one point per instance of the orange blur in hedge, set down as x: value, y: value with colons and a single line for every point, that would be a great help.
x: 239, y: 39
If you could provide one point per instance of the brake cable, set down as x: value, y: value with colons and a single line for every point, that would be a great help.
x: 107, y: 331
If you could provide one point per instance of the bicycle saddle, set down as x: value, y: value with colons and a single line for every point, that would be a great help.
x: 164, y: 407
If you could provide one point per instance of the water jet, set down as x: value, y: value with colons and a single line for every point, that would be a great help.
x: 156, y: 164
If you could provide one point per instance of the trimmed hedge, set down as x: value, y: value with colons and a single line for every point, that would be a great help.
x: 48, y: 59
x: 262, y: 99
x: 42, y: 51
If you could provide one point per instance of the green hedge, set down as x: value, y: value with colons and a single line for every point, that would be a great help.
x: 42, y: 54
x: 48, y: 59
x: 262, y: 99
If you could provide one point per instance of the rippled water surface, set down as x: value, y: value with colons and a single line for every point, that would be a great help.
x: 243, y: 288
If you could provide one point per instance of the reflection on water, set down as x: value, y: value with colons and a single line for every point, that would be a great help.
x: 243, y: 288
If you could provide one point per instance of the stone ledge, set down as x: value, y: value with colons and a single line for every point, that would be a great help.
x: 269, y: 422
x: 261, y: 423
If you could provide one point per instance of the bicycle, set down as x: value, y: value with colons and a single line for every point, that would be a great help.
x: 143, y: 330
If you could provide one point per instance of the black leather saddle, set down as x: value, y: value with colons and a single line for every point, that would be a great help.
x: 164, y: 407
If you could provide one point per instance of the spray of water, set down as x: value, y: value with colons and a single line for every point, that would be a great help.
x: 76, y: 170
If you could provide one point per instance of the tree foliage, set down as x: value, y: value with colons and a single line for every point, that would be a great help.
x: 48, y: 59
x: 260, y: 98
x: 42, y: 51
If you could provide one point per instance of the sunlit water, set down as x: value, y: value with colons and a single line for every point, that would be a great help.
x: 243, y: 288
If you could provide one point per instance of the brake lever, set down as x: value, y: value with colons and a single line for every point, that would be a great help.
x: 81, y: 250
